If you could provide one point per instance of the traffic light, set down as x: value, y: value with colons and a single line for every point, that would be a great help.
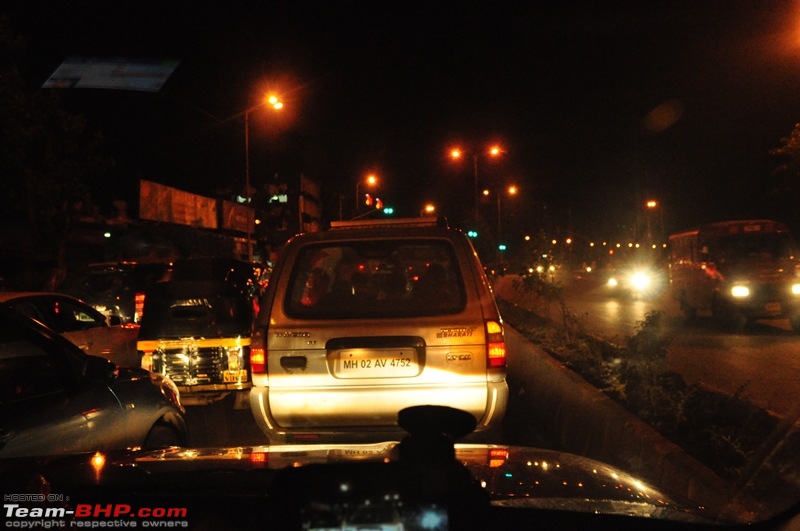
x: 378, y: 203
x: 502, y: 247
x: 472, y: 233
x: 388, y: 210
x: 368, y: 200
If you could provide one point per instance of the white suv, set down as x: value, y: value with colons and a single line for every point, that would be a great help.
x: 368, y: 318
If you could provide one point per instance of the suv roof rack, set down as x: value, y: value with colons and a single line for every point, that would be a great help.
x: 400, y: 222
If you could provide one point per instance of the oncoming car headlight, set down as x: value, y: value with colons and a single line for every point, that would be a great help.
x: 640, y: 280
x: 740, y: 291
x: 795, y: 289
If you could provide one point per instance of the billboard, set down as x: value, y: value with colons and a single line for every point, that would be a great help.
x: 170, y: 205
x: 119, y: 74
x: 237, y: 217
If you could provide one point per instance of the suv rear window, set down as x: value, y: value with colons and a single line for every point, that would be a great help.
x: 375, y: 279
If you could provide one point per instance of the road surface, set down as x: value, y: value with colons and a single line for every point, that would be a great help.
x: 760, y: 362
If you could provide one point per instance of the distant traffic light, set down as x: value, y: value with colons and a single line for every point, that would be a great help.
x: 368, y: 200
x: 388, y: 210
x: 378, y: 203
x: 472, y: 233
x: 502, y: 247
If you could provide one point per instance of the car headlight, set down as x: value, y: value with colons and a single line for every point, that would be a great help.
x: 640, y: 280
x: 740, y: 291
x: 795, y: 289
x: 612, y: 282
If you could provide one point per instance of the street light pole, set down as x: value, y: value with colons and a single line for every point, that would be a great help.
x: 276, y: 104
x: 475, y: 175
x: 499, y: 220
x: 512, y: 190
x: 457, y: 153
x: 247, y: 183
x: 650, y: 206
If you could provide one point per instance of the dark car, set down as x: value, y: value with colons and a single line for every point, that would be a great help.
x: 54, y: 399
x: 197, y: 325
x: 94, y: 332
x: 636, y: 279
x: 422, y: 482
x: 116, y: 288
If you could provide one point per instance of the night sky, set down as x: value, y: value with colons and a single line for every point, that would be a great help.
x: 599, y: 105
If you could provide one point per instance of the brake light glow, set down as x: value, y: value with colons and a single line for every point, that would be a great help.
x: 495, y: 345
x: 259, y: 458
x: 304, y: 436
x: 147, y: 359
x: 258, y: 360
x: 138, y: 308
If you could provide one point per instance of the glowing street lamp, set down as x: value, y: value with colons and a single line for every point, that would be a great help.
x: 493, y: 151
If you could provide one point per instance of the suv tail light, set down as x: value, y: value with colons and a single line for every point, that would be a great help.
x: 258, y: 360
x: 138, y: 309
x: 146, y: 359
x: 495, y: 345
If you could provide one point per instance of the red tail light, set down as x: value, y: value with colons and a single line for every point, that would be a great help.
x: 138, y: 309
x: 258, y: 360
x: 146, y: 359
x: 495, y: 345
x: 259, y: 458
x: 497, y: 457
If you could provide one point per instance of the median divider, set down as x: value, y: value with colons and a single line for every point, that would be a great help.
x: 578, y: 418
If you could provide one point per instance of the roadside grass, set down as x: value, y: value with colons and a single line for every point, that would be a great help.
x: 723, y: 432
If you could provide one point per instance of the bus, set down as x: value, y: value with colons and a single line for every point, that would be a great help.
x: 737, y: 271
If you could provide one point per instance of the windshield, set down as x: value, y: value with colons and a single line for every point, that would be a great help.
x: 767, y: 246
x: 300, y: 223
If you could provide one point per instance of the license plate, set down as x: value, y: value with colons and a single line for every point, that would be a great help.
x: 360, y: 363
x: 234, y: 376
x: 773, y: 308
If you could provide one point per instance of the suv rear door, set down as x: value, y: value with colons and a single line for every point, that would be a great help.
x: 363, y: 327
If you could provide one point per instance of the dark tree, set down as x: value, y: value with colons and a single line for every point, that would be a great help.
x: 784, y: 188
x: 47, y: 157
